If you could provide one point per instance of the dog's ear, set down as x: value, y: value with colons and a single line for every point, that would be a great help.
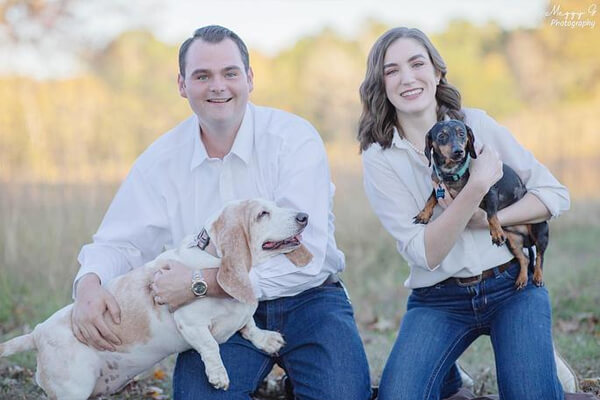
x: 231, y: 237
x: 300, y: 257
x: 471, y: 142
x: 429, y: 145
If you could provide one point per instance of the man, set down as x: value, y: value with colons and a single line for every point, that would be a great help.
x: 228, y: 150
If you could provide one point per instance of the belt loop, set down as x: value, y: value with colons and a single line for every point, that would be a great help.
x: 497, y: 271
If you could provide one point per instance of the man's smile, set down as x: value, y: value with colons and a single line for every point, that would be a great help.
x: 219, y: 100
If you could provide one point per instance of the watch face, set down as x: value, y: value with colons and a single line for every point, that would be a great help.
x: 199, y: 288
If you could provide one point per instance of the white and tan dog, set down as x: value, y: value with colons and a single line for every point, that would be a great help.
x: 244, y: 233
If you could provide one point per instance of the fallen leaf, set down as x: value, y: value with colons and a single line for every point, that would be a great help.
x: 159, y: 374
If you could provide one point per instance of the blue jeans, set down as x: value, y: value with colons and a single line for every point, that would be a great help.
x: 443, y: 320
x: 323, y: 355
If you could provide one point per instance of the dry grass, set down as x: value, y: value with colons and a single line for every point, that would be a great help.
x: 42, y: 228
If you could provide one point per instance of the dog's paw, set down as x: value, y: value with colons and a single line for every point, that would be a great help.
x: 537, y: 279
x: 218, y: 377
x: 270, y: 342
x: 497, y: 234
x: 498, y: 238
x: 521, y: 282
x: 421, y: 218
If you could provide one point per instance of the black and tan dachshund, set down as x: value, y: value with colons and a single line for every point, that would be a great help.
x: 451, y: 143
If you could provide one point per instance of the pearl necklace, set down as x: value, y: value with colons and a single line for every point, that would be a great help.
x: 412, y: 146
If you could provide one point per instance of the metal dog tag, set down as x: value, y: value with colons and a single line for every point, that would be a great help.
x: 440, y: 193
x: 201, y: 240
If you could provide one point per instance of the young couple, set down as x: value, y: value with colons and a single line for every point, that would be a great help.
x: 230, y: 149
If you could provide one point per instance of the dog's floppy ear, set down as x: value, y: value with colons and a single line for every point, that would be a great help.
x: 231, y: 236
x: 300, y: 257
x: 471, y: 142
x: 428, y: 145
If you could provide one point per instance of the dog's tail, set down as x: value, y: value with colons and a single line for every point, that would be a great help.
x: 17, y: 345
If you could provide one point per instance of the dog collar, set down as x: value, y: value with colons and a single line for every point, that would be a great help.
x: 202, y: 240
x: 453, y: 177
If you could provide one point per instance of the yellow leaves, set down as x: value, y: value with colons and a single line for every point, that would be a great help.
x: 159, y: 374
x: 90, y: 128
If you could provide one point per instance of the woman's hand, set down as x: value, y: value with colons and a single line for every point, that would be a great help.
x: 485, y: 170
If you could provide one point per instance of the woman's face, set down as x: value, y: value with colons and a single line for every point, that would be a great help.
x: 410, y: 78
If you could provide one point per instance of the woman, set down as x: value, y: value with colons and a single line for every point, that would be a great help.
x: 405, y: 92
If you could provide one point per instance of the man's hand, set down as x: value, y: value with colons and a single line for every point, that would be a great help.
x: 173, y: 285
x: 87, y: 318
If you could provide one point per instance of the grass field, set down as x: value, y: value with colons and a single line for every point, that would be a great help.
x: 42, y: 228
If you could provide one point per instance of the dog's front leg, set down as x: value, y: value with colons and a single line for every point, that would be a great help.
x: 200, y: 338
x: 425, y: 215
x: 490, y: 206
x: 268, y: 341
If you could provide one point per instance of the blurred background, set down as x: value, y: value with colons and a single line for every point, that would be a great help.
x: 86, y: 86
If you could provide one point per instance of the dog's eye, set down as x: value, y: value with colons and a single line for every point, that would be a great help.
x: 442, y: 137
x: 461, y: 133
x: 263, y: 214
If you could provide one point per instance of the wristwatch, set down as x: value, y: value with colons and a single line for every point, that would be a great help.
x: 199, y: 286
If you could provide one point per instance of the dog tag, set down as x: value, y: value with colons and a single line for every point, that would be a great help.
x: 440, y: 193
x: 201, y: 240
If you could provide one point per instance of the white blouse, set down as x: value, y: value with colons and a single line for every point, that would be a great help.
x: 398, y: 183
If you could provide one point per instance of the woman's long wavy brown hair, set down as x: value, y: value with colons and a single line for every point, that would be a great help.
x: 378, y: 116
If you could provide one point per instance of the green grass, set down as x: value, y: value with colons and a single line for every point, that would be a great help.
x: 44, y: 226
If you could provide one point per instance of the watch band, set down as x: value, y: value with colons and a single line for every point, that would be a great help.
x: 197, y: 275
x: 199, y: 286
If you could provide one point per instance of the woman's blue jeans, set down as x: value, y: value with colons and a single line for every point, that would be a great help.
x: 443, y: 320
x: 323, y: 355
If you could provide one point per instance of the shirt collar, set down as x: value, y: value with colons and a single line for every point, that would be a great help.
x: 398, y: 141
x: 199, y: 154
x: 244, y: 140
x: 242, y: 145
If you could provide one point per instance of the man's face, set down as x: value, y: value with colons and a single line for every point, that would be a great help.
x: 216, y: 83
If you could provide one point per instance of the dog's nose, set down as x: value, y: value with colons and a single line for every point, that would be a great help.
x: 457, y: 153
x: 302, y: 218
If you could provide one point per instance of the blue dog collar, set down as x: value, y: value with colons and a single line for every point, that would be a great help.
x: 453, y: 177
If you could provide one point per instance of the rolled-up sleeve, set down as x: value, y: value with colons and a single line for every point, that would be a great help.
x: 536, y: 177
x: 133, y: 231
x: 395, y: 205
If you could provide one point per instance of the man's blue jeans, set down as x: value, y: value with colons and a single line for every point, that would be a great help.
x: 443, y: 320
x: 323, y: 355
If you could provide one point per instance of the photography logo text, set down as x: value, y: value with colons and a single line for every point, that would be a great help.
x: 571, y: 18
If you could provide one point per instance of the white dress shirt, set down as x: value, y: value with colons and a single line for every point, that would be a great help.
x: 398, y: 183
x: 174, y: 187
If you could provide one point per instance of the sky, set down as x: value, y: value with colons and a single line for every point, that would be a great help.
x: 265, y: 25
x: 270, y: 25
